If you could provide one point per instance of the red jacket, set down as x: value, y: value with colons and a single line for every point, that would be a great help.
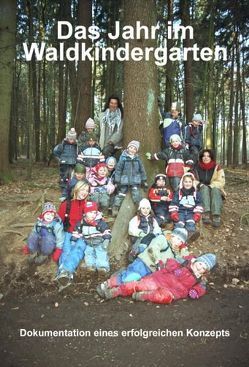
x: 177, y: 279
x: 75, y: 213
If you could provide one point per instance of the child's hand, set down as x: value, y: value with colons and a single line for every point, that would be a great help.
x: 148, y: 156
x: 25, y: 250
x: 193, y: 294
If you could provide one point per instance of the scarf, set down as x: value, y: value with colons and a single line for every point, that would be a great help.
x: 207, y: 166
x: 112, y: 118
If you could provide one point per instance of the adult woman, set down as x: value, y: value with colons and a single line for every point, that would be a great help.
x: 71, y: 211
x: 111, y: 126
x: 211, y: 179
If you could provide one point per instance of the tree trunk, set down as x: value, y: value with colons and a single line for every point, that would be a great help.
x: 230, y: 117
x: 236, y: 140
x: 7, y: 46
x: 84, y: 72
x: 169, y: 68
x: 243, y: 113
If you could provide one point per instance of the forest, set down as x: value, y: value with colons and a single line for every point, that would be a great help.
x: 41, y: 100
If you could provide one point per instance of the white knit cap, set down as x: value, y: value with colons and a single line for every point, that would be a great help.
x: 144, y: 203
x: 134, y: 143
x: 72, y: 134
x: 90, y: 124
x: 175, y: 137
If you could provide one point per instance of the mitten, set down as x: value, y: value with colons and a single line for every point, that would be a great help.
x: 197, y: 217
x: 145, y: 185
x: 174, y: 216
x: 56, y: 254
x: 25, y: 250
x: 148, y: 156
x: 193, y: 294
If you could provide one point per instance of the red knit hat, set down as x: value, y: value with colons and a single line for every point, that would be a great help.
x: 100, y: 165
x: 90, y: 206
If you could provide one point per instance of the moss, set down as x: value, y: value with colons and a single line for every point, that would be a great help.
x: 6, y: 178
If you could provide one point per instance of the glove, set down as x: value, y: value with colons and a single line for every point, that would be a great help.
x: 197, y: 217
x: 174, y: 216
x: 25, y: 250
x: 160, y: 265
x: 193, y: 294
x: 148, y: 156
x: 56, y: 254
x: 145, y: 185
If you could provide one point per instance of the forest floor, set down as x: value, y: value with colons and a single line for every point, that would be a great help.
x: 29, y: 298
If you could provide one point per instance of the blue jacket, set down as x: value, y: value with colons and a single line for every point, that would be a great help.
x: 174, y: 127
x: 130, y: 171
x: 55, y: 228
x: 66, y: 152
x: 88, y: 150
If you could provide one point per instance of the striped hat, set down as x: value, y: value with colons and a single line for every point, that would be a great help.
x: 208, y: 259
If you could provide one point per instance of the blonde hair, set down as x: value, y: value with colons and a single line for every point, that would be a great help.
x: 79, y: 186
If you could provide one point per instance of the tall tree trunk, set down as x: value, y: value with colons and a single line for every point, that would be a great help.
x: 169, y: 68
x: 243, y: 113
x: 230, y: 117
x: 188, y: 74
x: 84, y: 72
x: 236, y: 140
x: 7, y: 46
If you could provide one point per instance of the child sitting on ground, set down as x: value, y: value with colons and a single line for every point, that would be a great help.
x: 160, y: 197
x: 185, y: 208
x: 97, y: 235
x: 101, y: 186
x: 46, y: 238
x: 142, y: 228
x: 66, y: 153
x: 151, y: 259
x: 129, y: 174
x: 175, y: 281
x: 78, y: 174
x: 176, y: 157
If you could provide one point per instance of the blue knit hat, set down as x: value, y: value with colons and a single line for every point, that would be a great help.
x: 208, y: 259
x: 181, y: 233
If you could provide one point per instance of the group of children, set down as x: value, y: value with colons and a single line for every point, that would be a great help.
x: 161, y: 268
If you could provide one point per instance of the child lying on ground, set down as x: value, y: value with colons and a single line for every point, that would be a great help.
x: 175, y: 281
x: 46, y: 238
x: 151, y: 259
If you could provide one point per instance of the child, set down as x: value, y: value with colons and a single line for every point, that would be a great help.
x: 111, y: 163
x: 46, y: 237
x: 143, y: 228
x: 175, y: 281
x: 101, y: 185
x: 193, y: 136
x: 129, y: 174
x: 176, y: 156
x: 78, y: 174
x: 185, y: 208
x: 90, y: 153
x: 151, y: 259
x: 66, y: 153
x: 171, y: 124
x: 97, y: 235
x: 160, y: 196
x: 90, y: 128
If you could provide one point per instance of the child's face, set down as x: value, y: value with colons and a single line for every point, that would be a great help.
x: 199, y: 268
x: 82, y: 193
x: 176, y: 242
x: 206, y: 158
x: 196, y: 123
x: 175, y: 143
x: 71, y: 141
x: 160, y: 182
x: 91, y: 142
x: 110, y: 166
x: 89, y: 129
x: 102, y: 172
x: 49, y: 217
x: 187, y: 183
x: 79, y: 176
x: 145, y: 211
x: 175, y: 114
x: 91, y: 215
x: 132, y: 150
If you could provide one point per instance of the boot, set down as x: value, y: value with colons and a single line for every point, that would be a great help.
x: 206, y: 218
x: 101, y: 289
x: 41, y: 259
x: 115, y: 210
x: 32, y: 257
x: 216, y: 221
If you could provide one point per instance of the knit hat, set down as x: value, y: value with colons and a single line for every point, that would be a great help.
x: 160, y: 176
x: 92, y: 136
x: 197, y: 117
x: 208, y: 259
x: 175, y: 137
x: 90, y: 206
x: 176, y: 106
x: 134, y: 143
x: 144, y: 203
x: 48, y: 207
x: 111, y: 160
x: 90, y: 124
x: 79, y: 168
x: 181, y: 233
x: 72, y: 134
